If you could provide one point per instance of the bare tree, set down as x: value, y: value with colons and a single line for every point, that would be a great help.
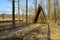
x: 13, y: 13
x: 13, y: 10
x: 26, y: 11
x: 49, y: 3
x: 19, y: 10
x: 55, y: 9
x: 23, y: 9
x: 35, y: 3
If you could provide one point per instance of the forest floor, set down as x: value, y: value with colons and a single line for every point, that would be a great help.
x: 49, y: 32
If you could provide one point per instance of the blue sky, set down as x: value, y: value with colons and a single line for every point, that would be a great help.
x: 5, y: 5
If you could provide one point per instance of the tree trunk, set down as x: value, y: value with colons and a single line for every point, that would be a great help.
x: 19, y: 10
x: 26, y: 11
x: 13, y: 13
